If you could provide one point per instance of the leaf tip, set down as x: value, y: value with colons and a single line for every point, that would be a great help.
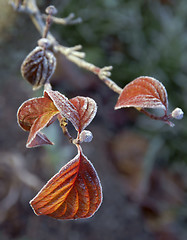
x: 38, y: 140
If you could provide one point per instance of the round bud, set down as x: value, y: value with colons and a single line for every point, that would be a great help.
x: 38, y: 67
x: 177, y: 113
x: 44, y: 43
x: 86, y: 136
x: 51, y: 10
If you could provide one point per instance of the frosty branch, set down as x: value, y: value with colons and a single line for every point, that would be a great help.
x: 30, y: 7
x: 72, y: 53
x: 75, y: 191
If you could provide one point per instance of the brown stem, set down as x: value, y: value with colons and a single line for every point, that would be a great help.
x: 63, y: 123
x: 164, y: 118
x: 65, y: 21
x: 47, y: 26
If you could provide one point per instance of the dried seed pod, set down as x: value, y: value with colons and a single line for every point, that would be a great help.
x: 38, y: 67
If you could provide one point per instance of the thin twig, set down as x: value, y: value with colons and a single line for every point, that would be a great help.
x: 102, y: 73
x: 69, y: 20
x: 63, y: 124
x: 47, y: 26
x: 164, y: 118
x: 71, y: 53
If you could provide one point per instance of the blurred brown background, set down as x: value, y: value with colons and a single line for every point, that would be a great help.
x: 141, y: 162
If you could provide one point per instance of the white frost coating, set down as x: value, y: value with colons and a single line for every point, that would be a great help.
x: 177, y: 113
x: 85, y: 106
x: 65, y: 107
x: 148, y: 102
x: 153, y: 96
x: 87, y: 111
x: 90, y: 108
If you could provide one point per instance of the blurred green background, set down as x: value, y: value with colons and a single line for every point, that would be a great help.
x: 141, y: 162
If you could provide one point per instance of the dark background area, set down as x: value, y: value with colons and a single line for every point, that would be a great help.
x: 141, y: 162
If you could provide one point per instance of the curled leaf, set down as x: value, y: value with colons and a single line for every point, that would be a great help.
x: 74, y: 192
x: 33, y: 115
x: 38, y: 140
x: 86, y: 109
x: 79, y: 110
x: 143, y: 92
x: 64, y: 106
x: 37, y: 113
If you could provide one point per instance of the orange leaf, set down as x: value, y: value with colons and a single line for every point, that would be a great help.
x: 143, y: 92
x: 33, y: 115
x: 74, y: 192
x: 31, y: 109
x: 86, y: 108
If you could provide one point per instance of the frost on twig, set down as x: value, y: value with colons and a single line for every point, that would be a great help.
x: 71, y: 53
x: 67, y: 51
x: 69, y: 20
x: 105, y: 72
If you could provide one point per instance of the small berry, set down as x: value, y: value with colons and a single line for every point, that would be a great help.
x: 177, y: 113
x: 86, y: 136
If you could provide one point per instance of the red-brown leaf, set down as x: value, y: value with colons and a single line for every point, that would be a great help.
x: 33, y: 115
x: 143, y: 92
x: 65, y: 107
x: 74, y: 192
x: 79, y: 110
x: 86, y: 108
x: 31, y: 109
x: 39, y: 140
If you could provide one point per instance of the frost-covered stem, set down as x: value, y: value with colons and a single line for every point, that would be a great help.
x: 69, y: 20
x: 71, y: 53
x: 102, y: 73
x: 47, y: 26
x: 36, y: 18
x: 51, y: 10
x: 112, y: 85
x: 164, y: 118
